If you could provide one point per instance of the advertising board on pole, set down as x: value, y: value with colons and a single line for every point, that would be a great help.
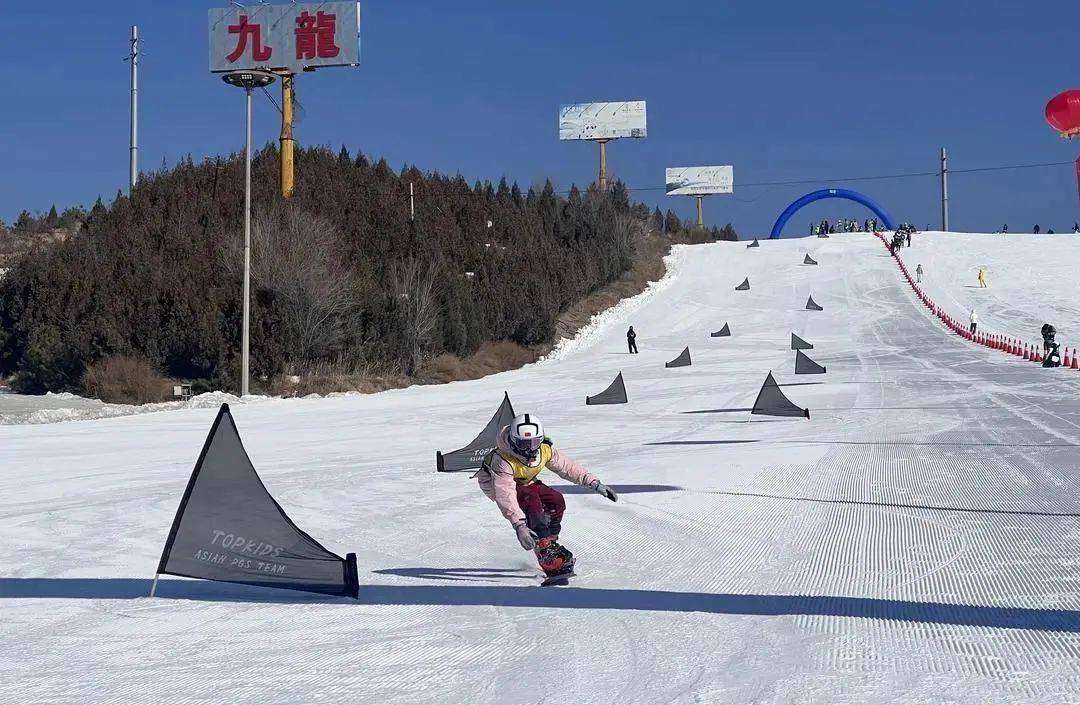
x: 698, y: 180
x: 284, y: 37
x: 602, y: 121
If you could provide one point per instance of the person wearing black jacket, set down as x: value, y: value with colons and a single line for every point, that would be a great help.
x: 631, y: 337
x: 1048, y: 333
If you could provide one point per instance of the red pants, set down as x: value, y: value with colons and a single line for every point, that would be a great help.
x: 543, y: 507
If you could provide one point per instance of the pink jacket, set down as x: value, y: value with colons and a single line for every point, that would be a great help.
x: 499, y: 485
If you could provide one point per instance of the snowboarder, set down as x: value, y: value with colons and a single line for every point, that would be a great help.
x: 508, y: 477
x: 631, y: 340
x: 982, y: 278
x: 918, y: 273
x: 974, y: 318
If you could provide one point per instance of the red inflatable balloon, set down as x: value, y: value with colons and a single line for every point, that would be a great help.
x: 1063, y: 112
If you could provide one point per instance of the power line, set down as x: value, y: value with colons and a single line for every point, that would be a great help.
x: 879, y: 177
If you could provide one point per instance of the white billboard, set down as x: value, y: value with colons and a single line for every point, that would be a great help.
x: 698, y: 180
x: 602, y: 121
x: 284, y: 37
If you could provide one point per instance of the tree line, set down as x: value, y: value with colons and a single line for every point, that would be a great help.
x: 342, y: 275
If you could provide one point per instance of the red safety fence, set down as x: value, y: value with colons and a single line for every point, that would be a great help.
x: 1009, y: 345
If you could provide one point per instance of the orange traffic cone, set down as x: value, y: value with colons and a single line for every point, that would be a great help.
x: 1027, y: 355
x: 1067, y: 362
x: 1075, y: 362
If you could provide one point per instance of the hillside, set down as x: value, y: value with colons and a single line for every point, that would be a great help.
x: 345, y: 282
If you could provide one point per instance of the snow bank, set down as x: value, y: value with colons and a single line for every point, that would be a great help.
x: 601, y: 322
x: 64, y: 406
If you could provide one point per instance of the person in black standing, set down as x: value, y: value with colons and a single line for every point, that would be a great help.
x: 631, y: 337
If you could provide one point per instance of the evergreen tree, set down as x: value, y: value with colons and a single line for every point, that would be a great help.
x: 672, y: 225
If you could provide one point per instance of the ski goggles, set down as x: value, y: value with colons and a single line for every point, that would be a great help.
x: 530, y: 445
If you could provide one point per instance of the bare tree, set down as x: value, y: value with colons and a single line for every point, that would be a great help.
x: 412, y: 284
x: 296, y: 259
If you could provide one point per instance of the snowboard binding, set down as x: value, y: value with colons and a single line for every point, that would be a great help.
x: 554, y: 559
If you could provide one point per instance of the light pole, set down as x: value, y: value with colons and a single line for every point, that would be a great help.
x: 247, y: 80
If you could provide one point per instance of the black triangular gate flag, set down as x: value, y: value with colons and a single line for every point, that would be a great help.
x: 798, y: 343
x: 755, y: 243
x: 745, y: 286
x: 722, y: 333
x: 472, y: 456
x: 229, y: 528
x: 772, y: 402
x: 808, y: 259
x: 812, y: 305
x: 614, y: 394
x: 683, y: 360
x: 805, y: 366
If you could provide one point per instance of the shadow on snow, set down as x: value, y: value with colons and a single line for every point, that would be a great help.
x: 561, y: 598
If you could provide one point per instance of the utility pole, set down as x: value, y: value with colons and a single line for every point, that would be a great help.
x: 133, y: 149
x: 944, y: 191
x: 603, y: 164
x: 287, y: 142
x: 700, y: 215
x: 412, y: 203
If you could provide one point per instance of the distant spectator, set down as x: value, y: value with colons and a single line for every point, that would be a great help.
x: 1005, y: 229
x: 909, y: 238
x: 631, y: 340
x: 918, y: 274
x: 974, y: 322
x: 1036, y: 229
x: 982, y: 278
x: 1076, y: 228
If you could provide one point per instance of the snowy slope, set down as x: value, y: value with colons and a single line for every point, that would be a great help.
x: 1033, y: 280
x: 914, y: 542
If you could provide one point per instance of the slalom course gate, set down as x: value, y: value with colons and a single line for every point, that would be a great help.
x: 772, y: 402
x: 722, y: 333
x: 798, y: 343
x: 745, y: 286
x: 614, y: 394
x: 755, y: 243
x: 683, y: 360
x: 809, y: 198
x: 812, y: 305
x: 472, y: 456
x: 808, y: 259
x: 805, y: 366
x: 228, y: 528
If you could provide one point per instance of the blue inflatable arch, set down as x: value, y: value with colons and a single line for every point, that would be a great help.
x: 809, y: 198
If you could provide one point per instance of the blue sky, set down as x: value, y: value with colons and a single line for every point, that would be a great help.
x: 781, y: 90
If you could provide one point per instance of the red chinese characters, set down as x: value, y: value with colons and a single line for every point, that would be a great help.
x: 315, y: 35
x: 249, y: 31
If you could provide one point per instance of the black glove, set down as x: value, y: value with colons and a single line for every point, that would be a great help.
x: 600, y: 488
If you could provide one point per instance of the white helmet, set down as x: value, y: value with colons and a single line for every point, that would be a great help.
x: 526, y: 434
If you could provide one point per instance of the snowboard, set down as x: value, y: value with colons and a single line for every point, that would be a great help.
x: 558, y: 579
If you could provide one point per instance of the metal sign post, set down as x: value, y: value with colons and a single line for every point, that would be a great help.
x: 247, y: 80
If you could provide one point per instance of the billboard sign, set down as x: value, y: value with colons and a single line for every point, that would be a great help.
x: 602, y: 121
x: 698, y: 180
x: 284, y: 37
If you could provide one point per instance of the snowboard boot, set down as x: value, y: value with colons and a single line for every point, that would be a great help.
x: 553, y: 558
